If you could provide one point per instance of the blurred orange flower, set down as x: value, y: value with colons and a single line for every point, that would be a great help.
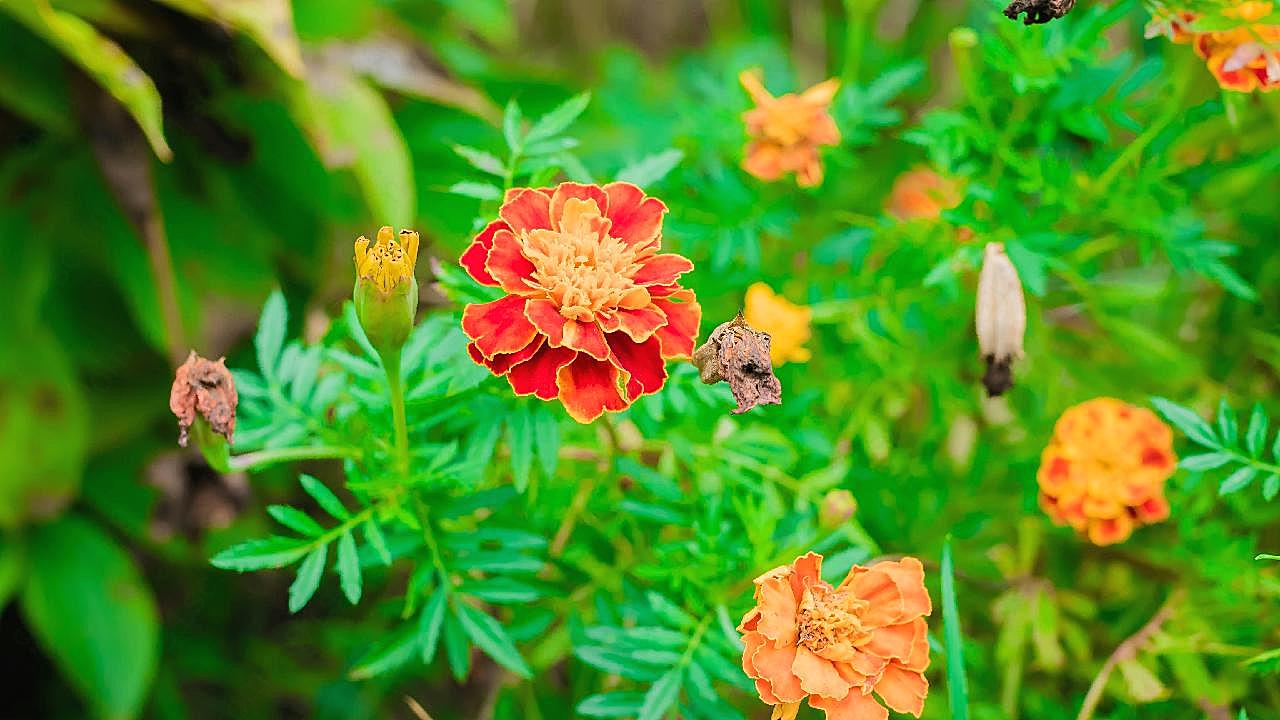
x: 787, y: 131
x: 922, y: 194
x: 1243, y: 58
x: 787, y: 324
x: 835, y: 646
x: 1104, y: 471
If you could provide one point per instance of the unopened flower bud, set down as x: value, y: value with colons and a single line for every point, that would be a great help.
x: 1001, y: 318
x: 386, y: 292
x: 838, y: 508
x: 204, y: 399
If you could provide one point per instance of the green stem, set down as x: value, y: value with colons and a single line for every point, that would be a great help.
x: 253, y: 461
x: 395, y: 386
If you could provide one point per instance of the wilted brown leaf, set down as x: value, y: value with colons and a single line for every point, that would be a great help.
x: 1038, y: 11
x: 205, y: 387
x: 739, y: 354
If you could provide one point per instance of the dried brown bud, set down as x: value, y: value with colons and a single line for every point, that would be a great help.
x: 739, y: 354
x: 207, y: 388
x: 1001, y: 318
x: 1038, y: 11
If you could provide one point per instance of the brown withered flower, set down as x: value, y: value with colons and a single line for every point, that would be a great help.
x: 206, y: 388
x: 1038, y: 11
x: 1001, y: 318
x: 739, y: 354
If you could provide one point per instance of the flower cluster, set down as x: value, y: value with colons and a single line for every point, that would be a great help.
x: 922, y: 194
x: 592, y: 309
x: 1104, y: 471
x: 1243, y: 58
x: 835, y: 646
x: 787, y: 131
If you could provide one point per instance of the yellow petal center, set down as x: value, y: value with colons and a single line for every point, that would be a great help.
x: 829, y: 623
x: 389, y: 262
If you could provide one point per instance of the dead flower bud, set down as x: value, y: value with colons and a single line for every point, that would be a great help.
x: 1038, y: 11
x: 1001, y: 318
x: 206, y: 388
x: 738, y: 353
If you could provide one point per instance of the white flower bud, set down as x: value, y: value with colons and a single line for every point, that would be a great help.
x: 1001, y: 318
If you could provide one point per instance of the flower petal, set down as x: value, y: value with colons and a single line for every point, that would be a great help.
x: 525, y: 209
x: 893, y: 641
x: 677, y: 336
x: 662, y: 270
x: 537, y: 375
x: 499, y: 326
x: 778, y: 604
x: 639, y: 324
x: 586, y: 337
x: 641, y: 361
x: 818, y: 676
x: 637, y: 219
x: 546, y: 317
x: 474, y: 257
x: 500, y: 364
x: 567, y: 190
x: 902, y: 690
x: 808, y: 573
x: 895, y: 590
x: 854, y: 706
x: 774, y: 665
x: 508, y: 265
x: 589, y: 388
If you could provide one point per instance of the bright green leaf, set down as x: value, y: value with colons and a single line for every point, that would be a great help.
x: 308, y: 579
x: 295, y: 520
x: 269, y: 340
x: 349, y: 568
x: 957, y: 682
x: 1186, y: 420
x: 1238, y: 480
x: 1256, y: 435
x: 612, y: 705
x: 1227, y: 430
x: 559, y: 119
x: 272, y: 552
x: 489, y: 635
x: 661, y: 696
x: 430, y: 623
x: 324, y: 497
x: 520, y: 439
x: 652, y: 169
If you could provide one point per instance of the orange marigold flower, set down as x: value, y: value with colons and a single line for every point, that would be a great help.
x: 787, y: 131
x: 1242, y: 59
x: 1104, y: 471
x: 788, y: 324
x: 592, y: 308
x: 835, y: 646
x: 922, y: 194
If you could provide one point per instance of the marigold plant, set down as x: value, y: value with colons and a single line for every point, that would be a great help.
x: 1104, y: 470
x: 786, y: 131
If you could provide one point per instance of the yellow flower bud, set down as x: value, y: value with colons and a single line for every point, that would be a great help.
x: 386, y: 292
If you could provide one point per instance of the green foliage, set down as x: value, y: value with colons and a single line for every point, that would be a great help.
x: 1244, y: 457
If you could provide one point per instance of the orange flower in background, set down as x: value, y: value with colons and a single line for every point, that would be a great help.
x: 592, y: 309
x: 1242, y: 59
x: 787, y: 131
x: 787, y: 324
x: 922, y: 194
x: 835, y: 646
x: 1104, y: 471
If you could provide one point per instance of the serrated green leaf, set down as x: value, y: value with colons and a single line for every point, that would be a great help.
x: 1228, y: 433
x: 324, y: 497
x: 1186, y: 420
x: 272, y: 552
x: 457, y: 649
x: 661, y: 696
x: 512, y: 119
x: 295, y: 520
x: 308, y: 579
x: 501, y: 591
x: 481, y: 160
x: 559, y: 119
x: 373, y: 534
x: 1238, y: 480
x: 349, y: 568
x: 520, y: 439
x: 387, y: 655
x: 1256, y: 435
x: 1270, y: 487
x: 268, y: 342
x: 430, y: 624
x: 651, y: 169
x: 957, y: 681
x: 1205, y: 461
x: 489, y: 635
x: 611, y: 705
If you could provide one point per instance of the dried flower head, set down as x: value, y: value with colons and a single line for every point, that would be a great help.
x: 922, y: 194
x: 1038, y: 11
x: 593, y: 309
x: 835, y: 646
x: 1001, y: 318
x: 205, y: 388
x: 739, y: 354
x: 1104, y: 471
x: 789, y: 325
x: 787, y: 131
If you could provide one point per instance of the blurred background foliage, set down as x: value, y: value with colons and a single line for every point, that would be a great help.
x: 167, y: 164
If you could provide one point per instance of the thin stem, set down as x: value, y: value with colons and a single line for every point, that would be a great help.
x: 1126, y: 650
x: 395, y: 386
x: 253, y: 461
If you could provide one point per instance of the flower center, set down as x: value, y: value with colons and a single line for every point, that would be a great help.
x: 580, y: 267
x: 829, y: 624
x: 388, y: 262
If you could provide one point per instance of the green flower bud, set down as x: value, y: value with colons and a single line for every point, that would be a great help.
x: 838, y: 508
x: 386, y: 292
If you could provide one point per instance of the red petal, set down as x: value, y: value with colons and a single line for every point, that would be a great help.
x: 508, y: 265
x: 678, y: 334
x: 473, y: 258
x: 586, y: 337
x: 637, y: 219
x: 568, y: 190
x: 537, y: 375
x: 547, y: 319
x: 640, y: 324
x: 526, y: 209
x: 642, y: 361
x: 588, y: 388
x: 662, y: 270
x: 501, y: 363
x: 499, y: 326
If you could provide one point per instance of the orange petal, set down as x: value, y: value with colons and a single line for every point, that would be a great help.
x: 808, y: 572
x: 895, y: 590
x: 586, y: 337
x: 902, y: 690
x: 818, y: 676
x: 507, y: 264
x: 821, y: 94
x: 778, y: 605
x: 567, y: 190
x: 499, y: 326
x: 637, y: 218
x: 892, y: 641
x: 774, y: 665
x: 750, y: 80
x: 589, y: 388
x: 677, y: 336
x: 525, y: 209
x: 751, y: 642
x: 854, y: 706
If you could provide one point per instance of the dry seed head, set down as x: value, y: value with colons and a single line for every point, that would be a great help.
x: 1001, y: 317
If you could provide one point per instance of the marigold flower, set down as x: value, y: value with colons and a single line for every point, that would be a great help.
x: 922, y: 194
x: 1242, y: 59
x: 835, y: 646
x: 787, y: 131
x: 206, y: 389
x: 1104, y: 471
x: 788, y: 324
x: 386, y: 292
x: 592, y: 309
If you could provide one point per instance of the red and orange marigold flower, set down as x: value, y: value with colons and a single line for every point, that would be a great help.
x: 1243, y: 58
x: 592, y: 309
x: 787, y: 131
x: 1104, y: 471
x: 835, y: 646
x: 922, y: 194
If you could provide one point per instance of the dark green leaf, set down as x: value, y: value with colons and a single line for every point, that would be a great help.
x: 387, y: 655
x: 456, y: 647
x: 272, y: 552
x: 612, y: 705
x: 269, y: 340
x: 324, y: 497
x: 308, y: 578
x: 373, y: 534
x: 489, y: 635
x: 1238, y: 480
x: 295, y: 520
x: 430, y: 623
x: 957, y: 683
x: 349, y: 568
x: 520, y: 438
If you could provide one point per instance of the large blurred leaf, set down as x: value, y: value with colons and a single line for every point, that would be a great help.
x: 88, y: 605
x: 268, y: 22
